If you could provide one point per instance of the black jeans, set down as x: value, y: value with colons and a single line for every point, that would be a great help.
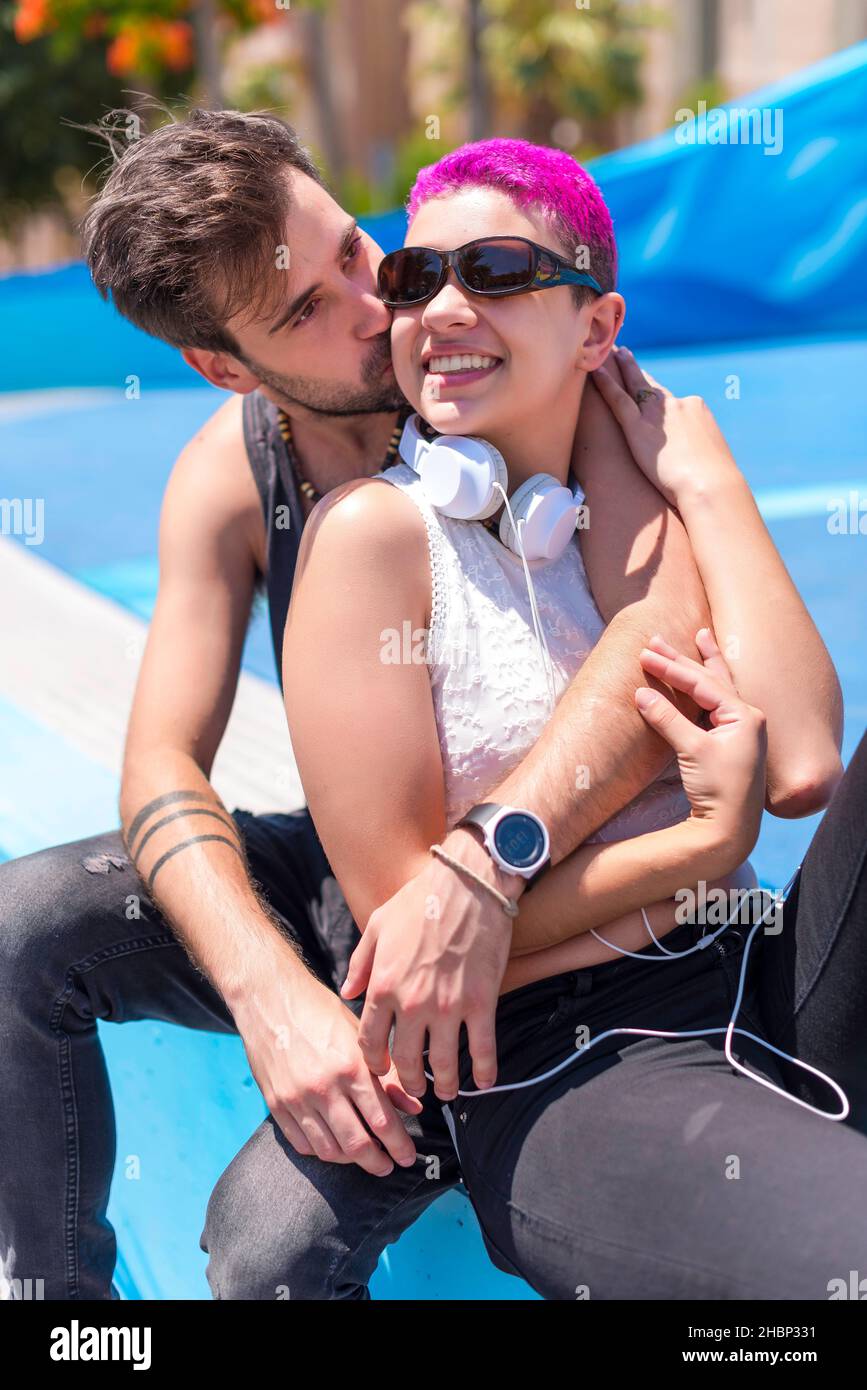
x: 647, y: 1169
x: 72, y: 953
x: 650, y: 1168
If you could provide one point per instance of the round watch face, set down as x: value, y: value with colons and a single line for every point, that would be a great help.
x: 519, y: 840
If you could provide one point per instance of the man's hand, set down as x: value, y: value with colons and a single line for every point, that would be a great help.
x: 302, y: 1045
x: 431, y: 958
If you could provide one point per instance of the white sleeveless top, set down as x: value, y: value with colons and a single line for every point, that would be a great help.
x: 488, y: 678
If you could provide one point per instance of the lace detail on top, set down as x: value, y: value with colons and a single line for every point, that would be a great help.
x: 488, y: 680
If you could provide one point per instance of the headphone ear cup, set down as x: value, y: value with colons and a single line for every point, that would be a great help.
x: 550, y: 513
x: 519, y: 502
x: 459, y: 473
x: 501, y: 476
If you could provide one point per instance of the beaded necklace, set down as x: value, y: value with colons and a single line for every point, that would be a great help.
x: 305, y: 487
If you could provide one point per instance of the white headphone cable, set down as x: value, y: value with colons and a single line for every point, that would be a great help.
x: 729, y: 1030
x: 534, y: 608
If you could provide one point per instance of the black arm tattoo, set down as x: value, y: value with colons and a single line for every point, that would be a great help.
x: 177, y: 815
x: 185, y: 844
x: 214, y: 809
x: 156, y: 805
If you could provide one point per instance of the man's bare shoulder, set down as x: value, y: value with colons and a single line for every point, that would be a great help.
x: 212, y: 479
x: 219, y: 439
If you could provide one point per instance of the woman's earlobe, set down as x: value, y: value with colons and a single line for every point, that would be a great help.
x: 592, y: 356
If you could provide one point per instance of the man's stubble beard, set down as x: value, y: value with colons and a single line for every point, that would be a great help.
x: 375, y: 398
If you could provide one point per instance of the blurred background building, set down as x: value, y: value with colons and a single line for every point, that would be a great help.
x: 377, y: 87
x: 722, y: 49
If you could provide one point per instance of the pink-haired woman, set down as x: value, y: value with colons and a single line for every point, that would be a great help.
x: 631, y: 1165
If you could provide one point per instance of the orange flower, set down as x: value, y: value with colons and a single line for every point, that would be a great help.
x: 122, y: 54
x: 151, y: 43
x: 263, y: 11
x: 175, y: 40
x: 32, y: 18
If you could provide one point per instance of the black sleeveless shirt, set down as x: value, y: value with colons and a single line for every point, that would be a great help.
x: 281, y: 508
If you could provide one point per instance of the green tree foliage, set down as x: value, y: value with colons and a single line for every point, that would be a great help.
x: 39, y: 91
x: 543, y: 60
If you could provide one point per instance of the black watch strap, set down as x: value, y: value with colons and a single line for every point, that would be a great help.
x: 481, y: 814
x: 542, y: 869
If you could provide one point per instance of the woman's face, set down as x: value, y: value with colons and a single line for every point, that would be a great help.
x: 530, y: 344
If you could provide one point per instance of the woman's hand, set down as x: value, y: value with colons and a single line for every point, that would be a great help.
x: 675, y: 440
x: 722, y: 768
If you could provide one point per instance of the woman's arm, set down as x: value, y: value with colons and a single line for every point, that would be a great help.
x: 599, y: 884
x: 357, y: 690
x: 778, y: 660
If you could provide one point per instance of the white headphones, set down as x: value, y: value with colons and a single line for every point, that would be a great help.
x: 466, y: 478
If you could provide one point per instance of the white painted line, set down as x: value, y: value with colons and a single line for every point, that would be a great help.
x: 69, y: 659
x: 783, y: 503
x: 27, y: 405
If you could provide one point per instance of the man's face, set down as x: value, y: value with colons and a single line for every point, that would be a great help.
x: 325, y: 342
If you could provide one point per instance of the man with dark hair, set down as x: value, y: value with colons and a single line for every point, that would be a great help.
x: 217, y: 234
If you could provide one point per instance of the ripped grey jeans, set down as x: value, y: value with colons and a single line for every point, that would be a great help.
x: 69, y: 955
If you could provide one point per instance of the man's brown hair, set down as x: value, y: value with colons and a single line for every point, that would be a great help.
x: 190, y: 219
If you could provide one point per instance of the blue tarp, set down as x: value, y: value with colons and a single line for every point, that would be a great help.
x: 722, y: 241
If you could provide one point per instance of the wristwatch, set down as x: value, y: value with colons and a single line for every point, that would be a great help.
x: 516, y: 840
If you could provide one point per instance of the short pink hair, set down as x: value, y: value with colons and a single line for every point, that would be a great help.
x: 536, y: 177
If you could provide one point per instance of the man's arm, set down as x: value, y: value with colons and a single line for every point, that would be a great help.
x: 597, y: 753
x: 772, y: 644
x: 185, y: 844
x: 182, y: 702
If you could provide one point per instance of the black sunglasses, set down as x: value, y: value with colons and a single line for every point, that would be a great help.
x: 494, y: 265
